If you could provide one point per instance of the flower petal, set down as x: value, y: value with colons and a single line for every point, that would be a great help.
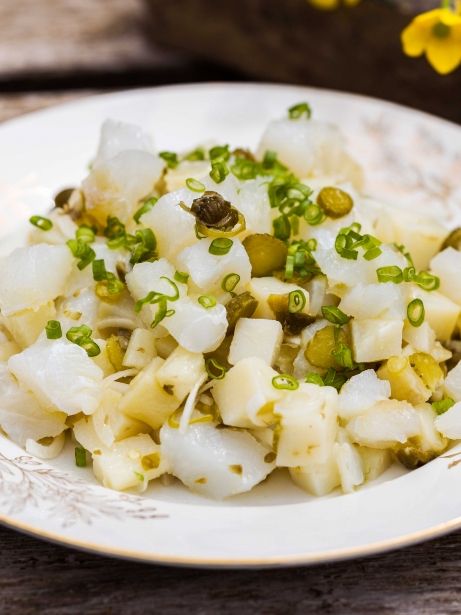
x: 444, y: 54
x: 414, y: 39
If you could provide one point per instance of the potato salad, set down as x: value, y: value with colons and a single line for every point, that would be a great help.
x: 215, y: 314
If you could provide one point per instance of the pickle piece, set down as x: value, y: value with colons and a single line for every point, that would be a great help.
x: 241, y: 306
x: 266, y: 254
x: 427, y: 369
x: 405, y: 383
x: 335, y: 202
x: 319, y: 351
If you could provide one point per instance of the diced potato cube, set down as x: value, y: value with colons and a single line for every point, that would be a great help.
x: 441, y: 313
x: 255, y: 337
x: 130, y: 463
x: 375, y: 461
x: 422, y: 338
x: 263, y: 288
x: 180, y: 372
x: 349, y: 465
x: 245, y: 396
x: 375, y: 340
x: 318, y: 479
x: 365, y: 301
x: 146, y: 400
x: 141, y: 349
x: 308, y: 425
x: 26, y: 326
x: 7, y: 350
x: 386, y: 423
x: 447, y: 266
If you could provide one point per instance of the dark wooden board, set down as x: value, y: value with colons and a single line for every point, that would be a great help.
x: 45, y: 579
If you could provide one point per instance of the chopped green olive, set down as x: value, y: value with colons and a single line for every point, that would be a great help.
x: 241, y: 306
x: 319, y: 351
x: 335, y: 202
x: 266, y: 254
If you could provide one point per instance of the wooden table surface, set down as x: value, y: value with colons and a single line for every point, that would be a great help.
x: 57, y: 50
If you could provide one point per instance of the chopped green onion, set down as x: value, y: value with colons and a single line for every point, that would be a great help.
x: 220, y: 246
x: 314, y: 214
x: 343, y: 246
x: 145, y: 246
x: 333, y: 379
x: 282, y: 227
x: 195, y: 185
x: 285, y: 382
x: 296, y: 301
x: 146, y: 207
x: 313, y: 378
x: 343, y: 356
x: 244, y: 169
x: 409, y: 274
x: 219, y: 153
x: 162, y: 312
x: 372, y: 253
x: 214, y: 369
x: 416, y: 312
x: 335, y: 315
x: 44, y: 224
x: 181, y: 277
x: 81, y: 250
x: 311, y: 244
x: 80, y: 457
x: 391, y: 273
x: 443, y: 405
x: 230, y: 282
x: 53, y: 330
x: 196, y: 154
x: 402, y: 249
x: 85, y: 233
x: 110, y: 287
x: 297, y: 111
x: 81, y: 336
x: 99, y: 270
x: 114, y: 228
x: 170, y: 158
x: 427, y: 281
x: 207, y: 301
x: 219, y: 172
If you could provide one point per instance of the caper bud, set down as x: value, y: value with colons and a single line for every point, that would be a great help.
x: 453, y: 240
x: 335, y: 202
x: 266, y: 254
x: 213, y: 211
x: 241, y: 306
x: 62, y: 198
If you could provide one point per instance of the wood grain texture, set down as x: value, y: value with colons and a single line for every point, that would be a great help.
x: 45, y: 579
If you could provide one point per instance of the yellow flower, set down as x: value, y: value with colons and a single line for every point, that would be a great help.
x: 332, y: 4
x: 436, y: 33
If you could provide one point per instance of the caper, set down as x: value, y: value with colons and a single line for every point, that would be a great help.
x: 453, y: 240
x: 319, y: 351
x: 213, y: 211
x: 62, y: 198
x: 413, y: 457
x: 266, y: 254
x: 335, y: 202
x: 241, y: 306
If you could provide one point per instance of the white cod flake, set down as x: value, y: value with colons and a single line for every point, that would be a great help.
x: 60, y: 374
x: 32, y: 276
x: 21, y: 416
x: 217, y: 463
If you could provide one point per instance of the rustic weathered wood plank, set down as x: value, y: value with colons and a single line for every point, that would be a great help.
x: 41, y: 578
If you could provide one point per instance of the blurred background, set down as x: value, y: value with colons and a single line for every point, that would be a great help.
x: 52, y: 50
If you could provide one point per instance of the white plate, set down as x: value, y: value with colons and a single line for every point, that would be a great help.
x: 410, y: 158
